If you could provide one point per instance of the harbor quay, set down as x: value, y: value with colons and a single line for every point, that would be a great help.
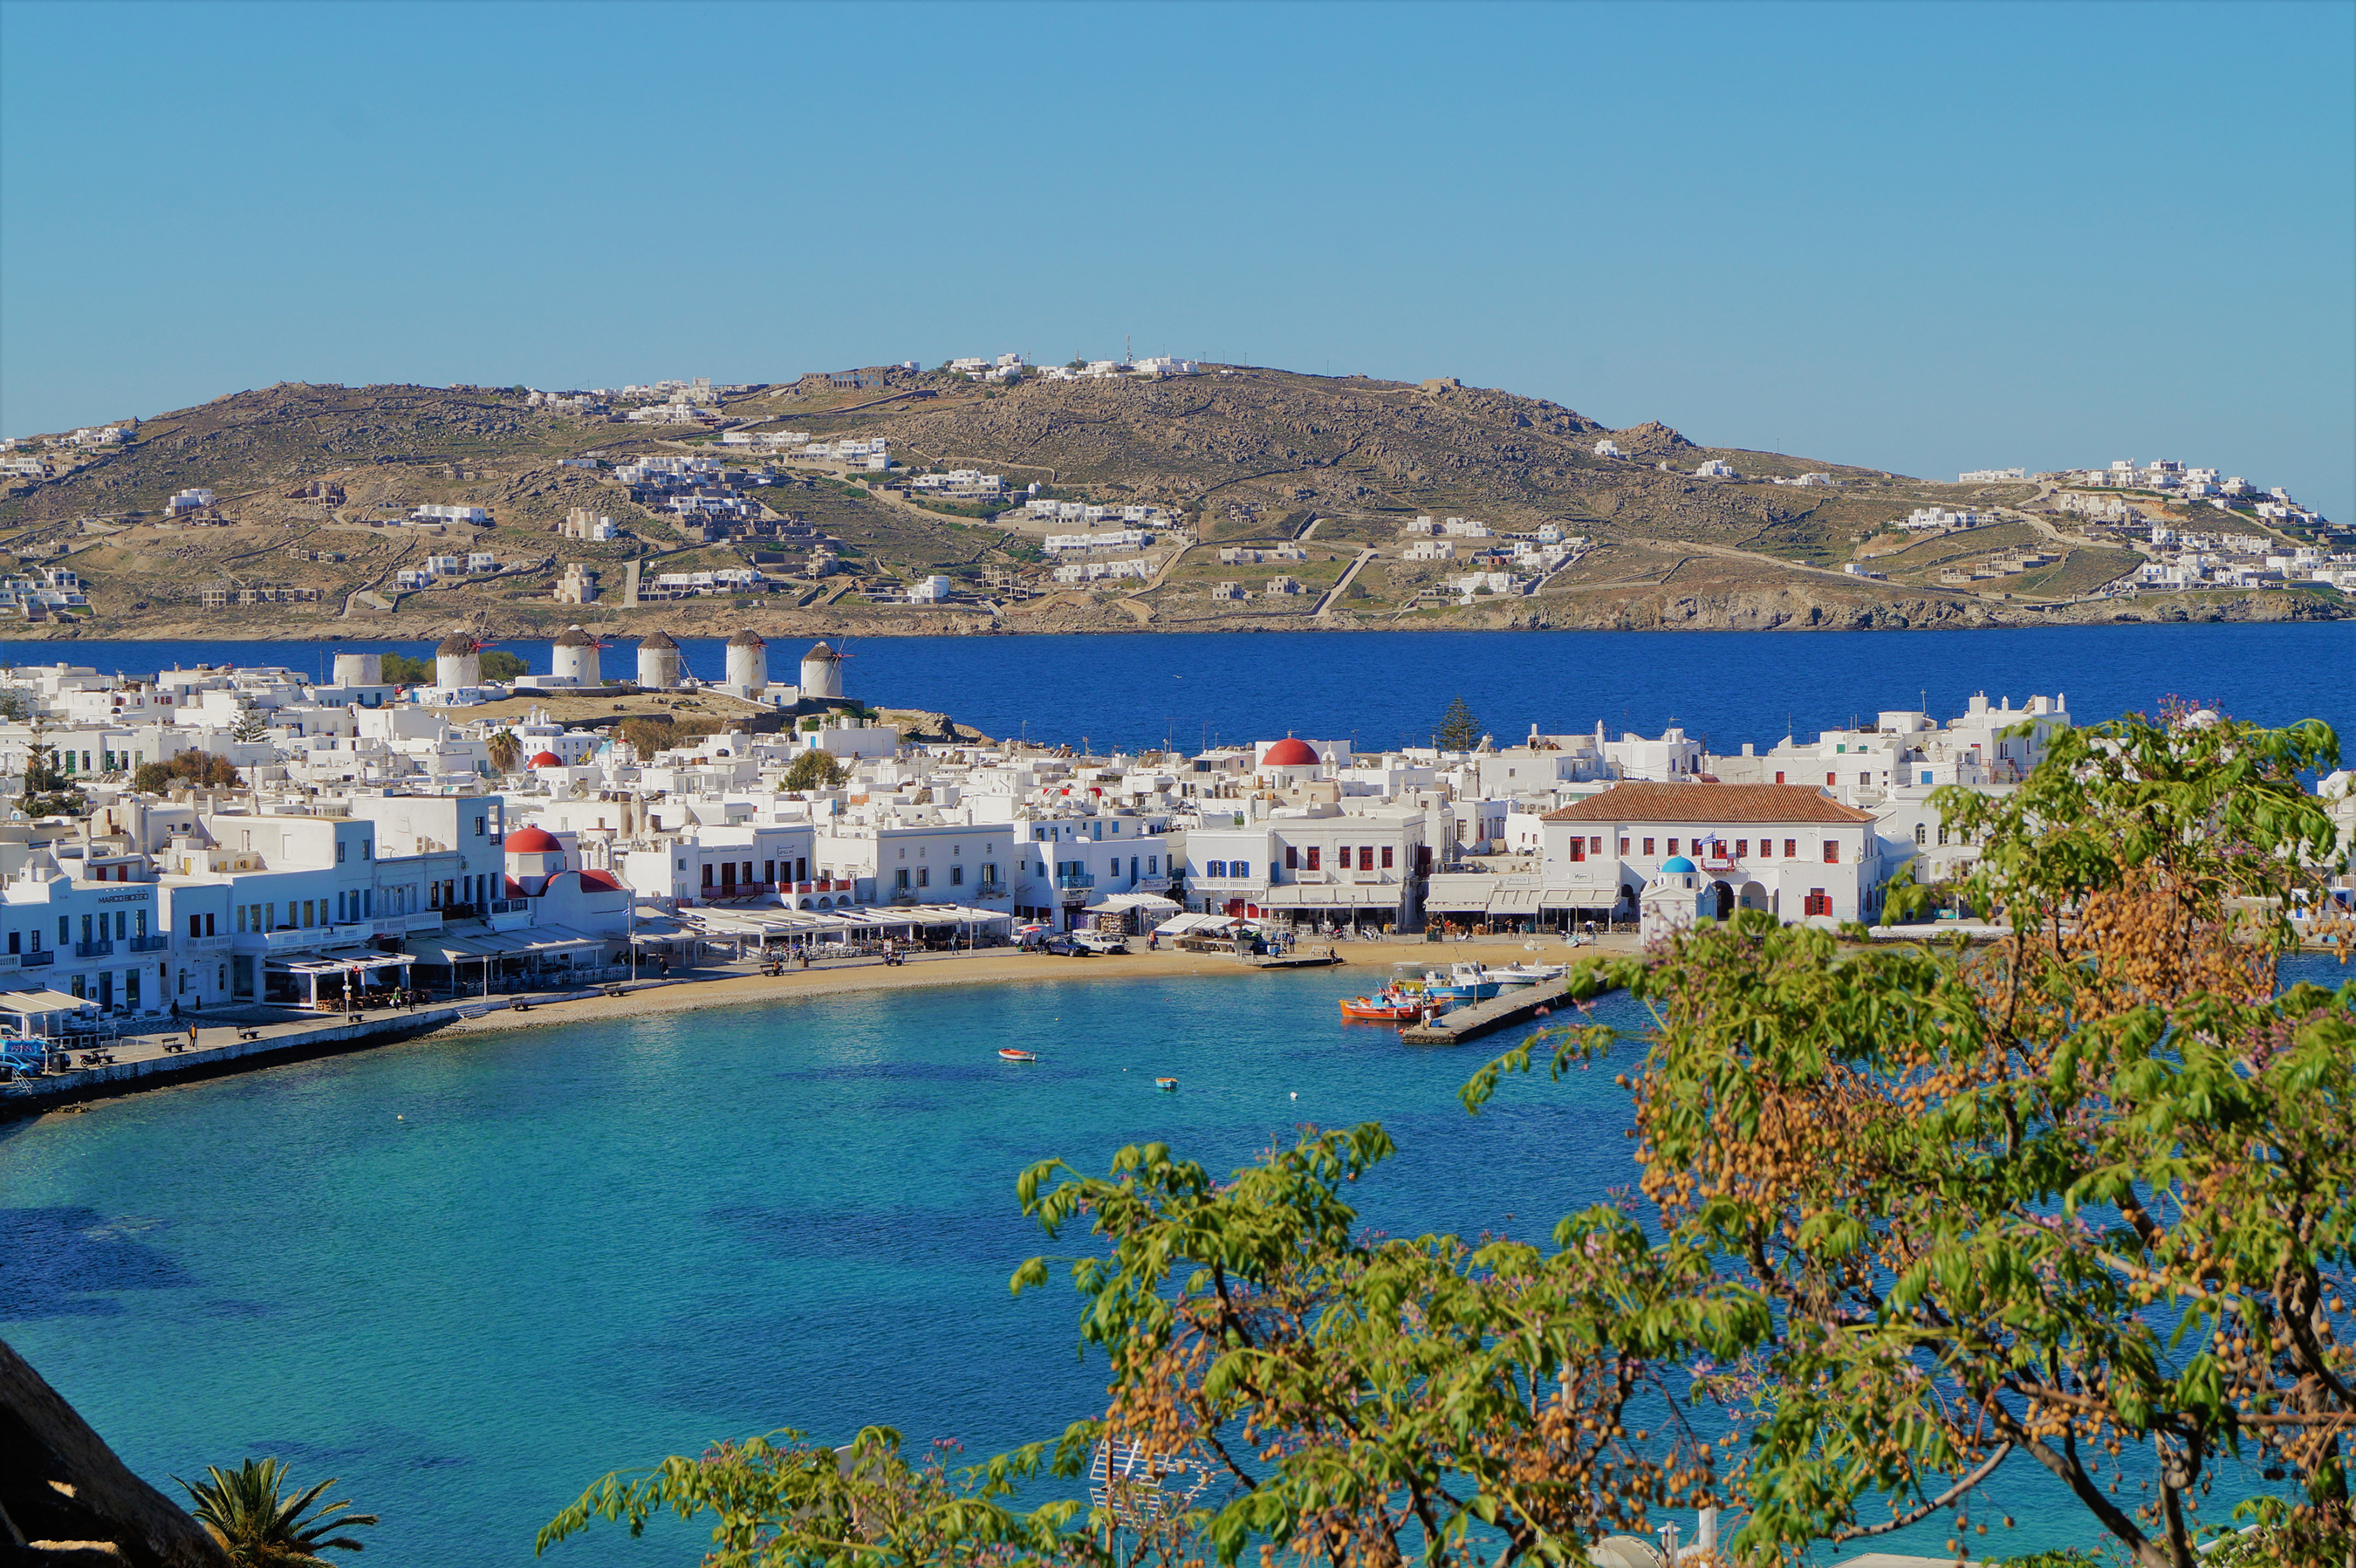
x: 339, y: 858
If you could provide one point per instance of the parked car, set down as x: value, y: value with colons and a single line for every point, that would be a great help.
x: 1101, y: 941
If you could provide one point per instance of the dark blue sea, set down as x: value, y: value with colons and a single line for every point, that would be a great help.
x: 1380, y: 690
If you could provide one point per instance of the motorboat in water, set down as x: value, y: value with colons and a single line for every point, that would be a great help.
x: 1519, y: 974
x: 1009, y: 1054
x: 1166, y: 1084
x: 1388, y: 1007
x: 1462, y: 982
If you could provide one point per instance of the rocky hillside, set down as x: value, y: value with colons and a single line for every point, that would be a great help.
x: 312, y: 483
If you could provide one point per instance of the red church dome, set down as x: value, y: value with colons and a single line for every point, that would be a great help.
x: 1290, y: 753
x: 545, y: 759
x: 533, y: 841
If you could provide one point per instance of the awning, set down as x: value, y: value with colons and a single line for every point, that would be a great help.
x: 1149, y: 903
x: 535, y: 941
x: 35, y: 1002
x: 1341, y: 896
x: 1460, y: 892
x: 337, y: 965
x: 1513, y: 901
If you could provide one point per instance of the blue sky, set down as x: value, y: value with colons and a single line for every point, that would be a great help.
x: 1914, y: 236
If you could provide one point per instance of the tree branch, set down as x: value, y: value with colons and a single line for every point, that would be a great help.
x: 1987, y: 1468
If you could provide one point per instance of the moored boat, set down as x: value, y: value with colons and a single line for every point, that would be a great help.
x: 1384, y: 1007
x: 1462, y: 982
x: 1008, y: 1053
x: 1167, y: 1085
x: 1520, y: 974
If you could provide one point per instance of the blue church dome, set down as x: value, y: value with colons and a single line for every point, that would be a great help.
x: 1678, y: 864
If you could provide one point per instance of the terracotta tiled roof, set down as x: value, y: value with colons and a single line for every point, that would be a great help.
x: 1706, y: 803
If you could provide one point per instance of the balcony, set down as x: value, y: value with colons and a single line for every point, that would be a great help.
x: 98, y: 948
x: 1076, y: 879
x: 155, y: 943
x: 203, y: 944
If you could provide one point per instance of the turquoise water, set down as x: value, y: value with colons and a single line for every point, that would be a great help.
x: 471, y: 1275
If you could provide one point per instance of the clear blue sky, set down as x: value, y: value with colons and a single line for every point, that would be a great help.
x: 1917, y: 236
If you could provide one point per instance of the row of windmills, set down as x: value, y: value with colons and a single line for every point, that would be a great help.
x: 574, y: 662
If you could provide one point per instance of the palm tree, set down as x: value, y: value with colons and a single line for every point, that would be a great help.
x: 506, y: 751
x: 249, y: 1514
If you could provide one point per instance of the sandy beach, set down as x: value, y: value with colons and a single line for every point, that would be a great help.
x: 992, y: 966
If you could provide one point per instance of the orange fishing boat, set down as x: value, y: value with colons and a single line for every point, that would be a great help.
x: 1385, y: 1007
x: 1009, y: 1053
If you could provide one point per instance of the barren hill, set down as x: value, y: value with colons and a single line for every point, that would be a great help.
x: 312, y: 484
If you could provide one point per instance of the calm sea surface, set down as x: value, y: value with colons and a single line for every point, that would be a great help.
x: 584, y: 1247
x: 469, y: 1276
x: 1385, y: 689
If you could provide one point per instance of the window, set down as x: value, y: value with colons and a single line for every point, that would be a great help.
x: 1315, y: 853
x: 1742, y: 848
x: 1672, y: 846
x: 1818, y: 902
x: 85, y: 929
x: 341, y: 850
x: 1648, y: 848
x: 1943, y: 832
x: 768, y: 871
x: 1828, y: 779
x: 1832, y: 852
x: 1386, y: 857
x: 956, y: 876
x: 1922, y: 832
x: 1366, y: 857
x: 748, y: 873
x: 478, y: 827
x: 1864, y: 778
x: 1926, y: 776
x: 368, y: 848
x: 1152, y: 866
x: 1291, y: 858
x: 1579, y: 849
x: 1239, y: 868
x: 1214, y: 868
x: 139, y: 927
x: 904, y: 879
x: 707, y: 876
x: 1791, y: 849
x: 1623, y: 846
x: 923, y: 876
x: 208, y: 925
x: 16, y: 940
x: 988, y: 873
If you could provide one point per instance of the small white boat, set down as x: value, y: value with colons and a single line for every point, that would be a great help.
x: 1520, y: 974
x: 1464, y: 983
